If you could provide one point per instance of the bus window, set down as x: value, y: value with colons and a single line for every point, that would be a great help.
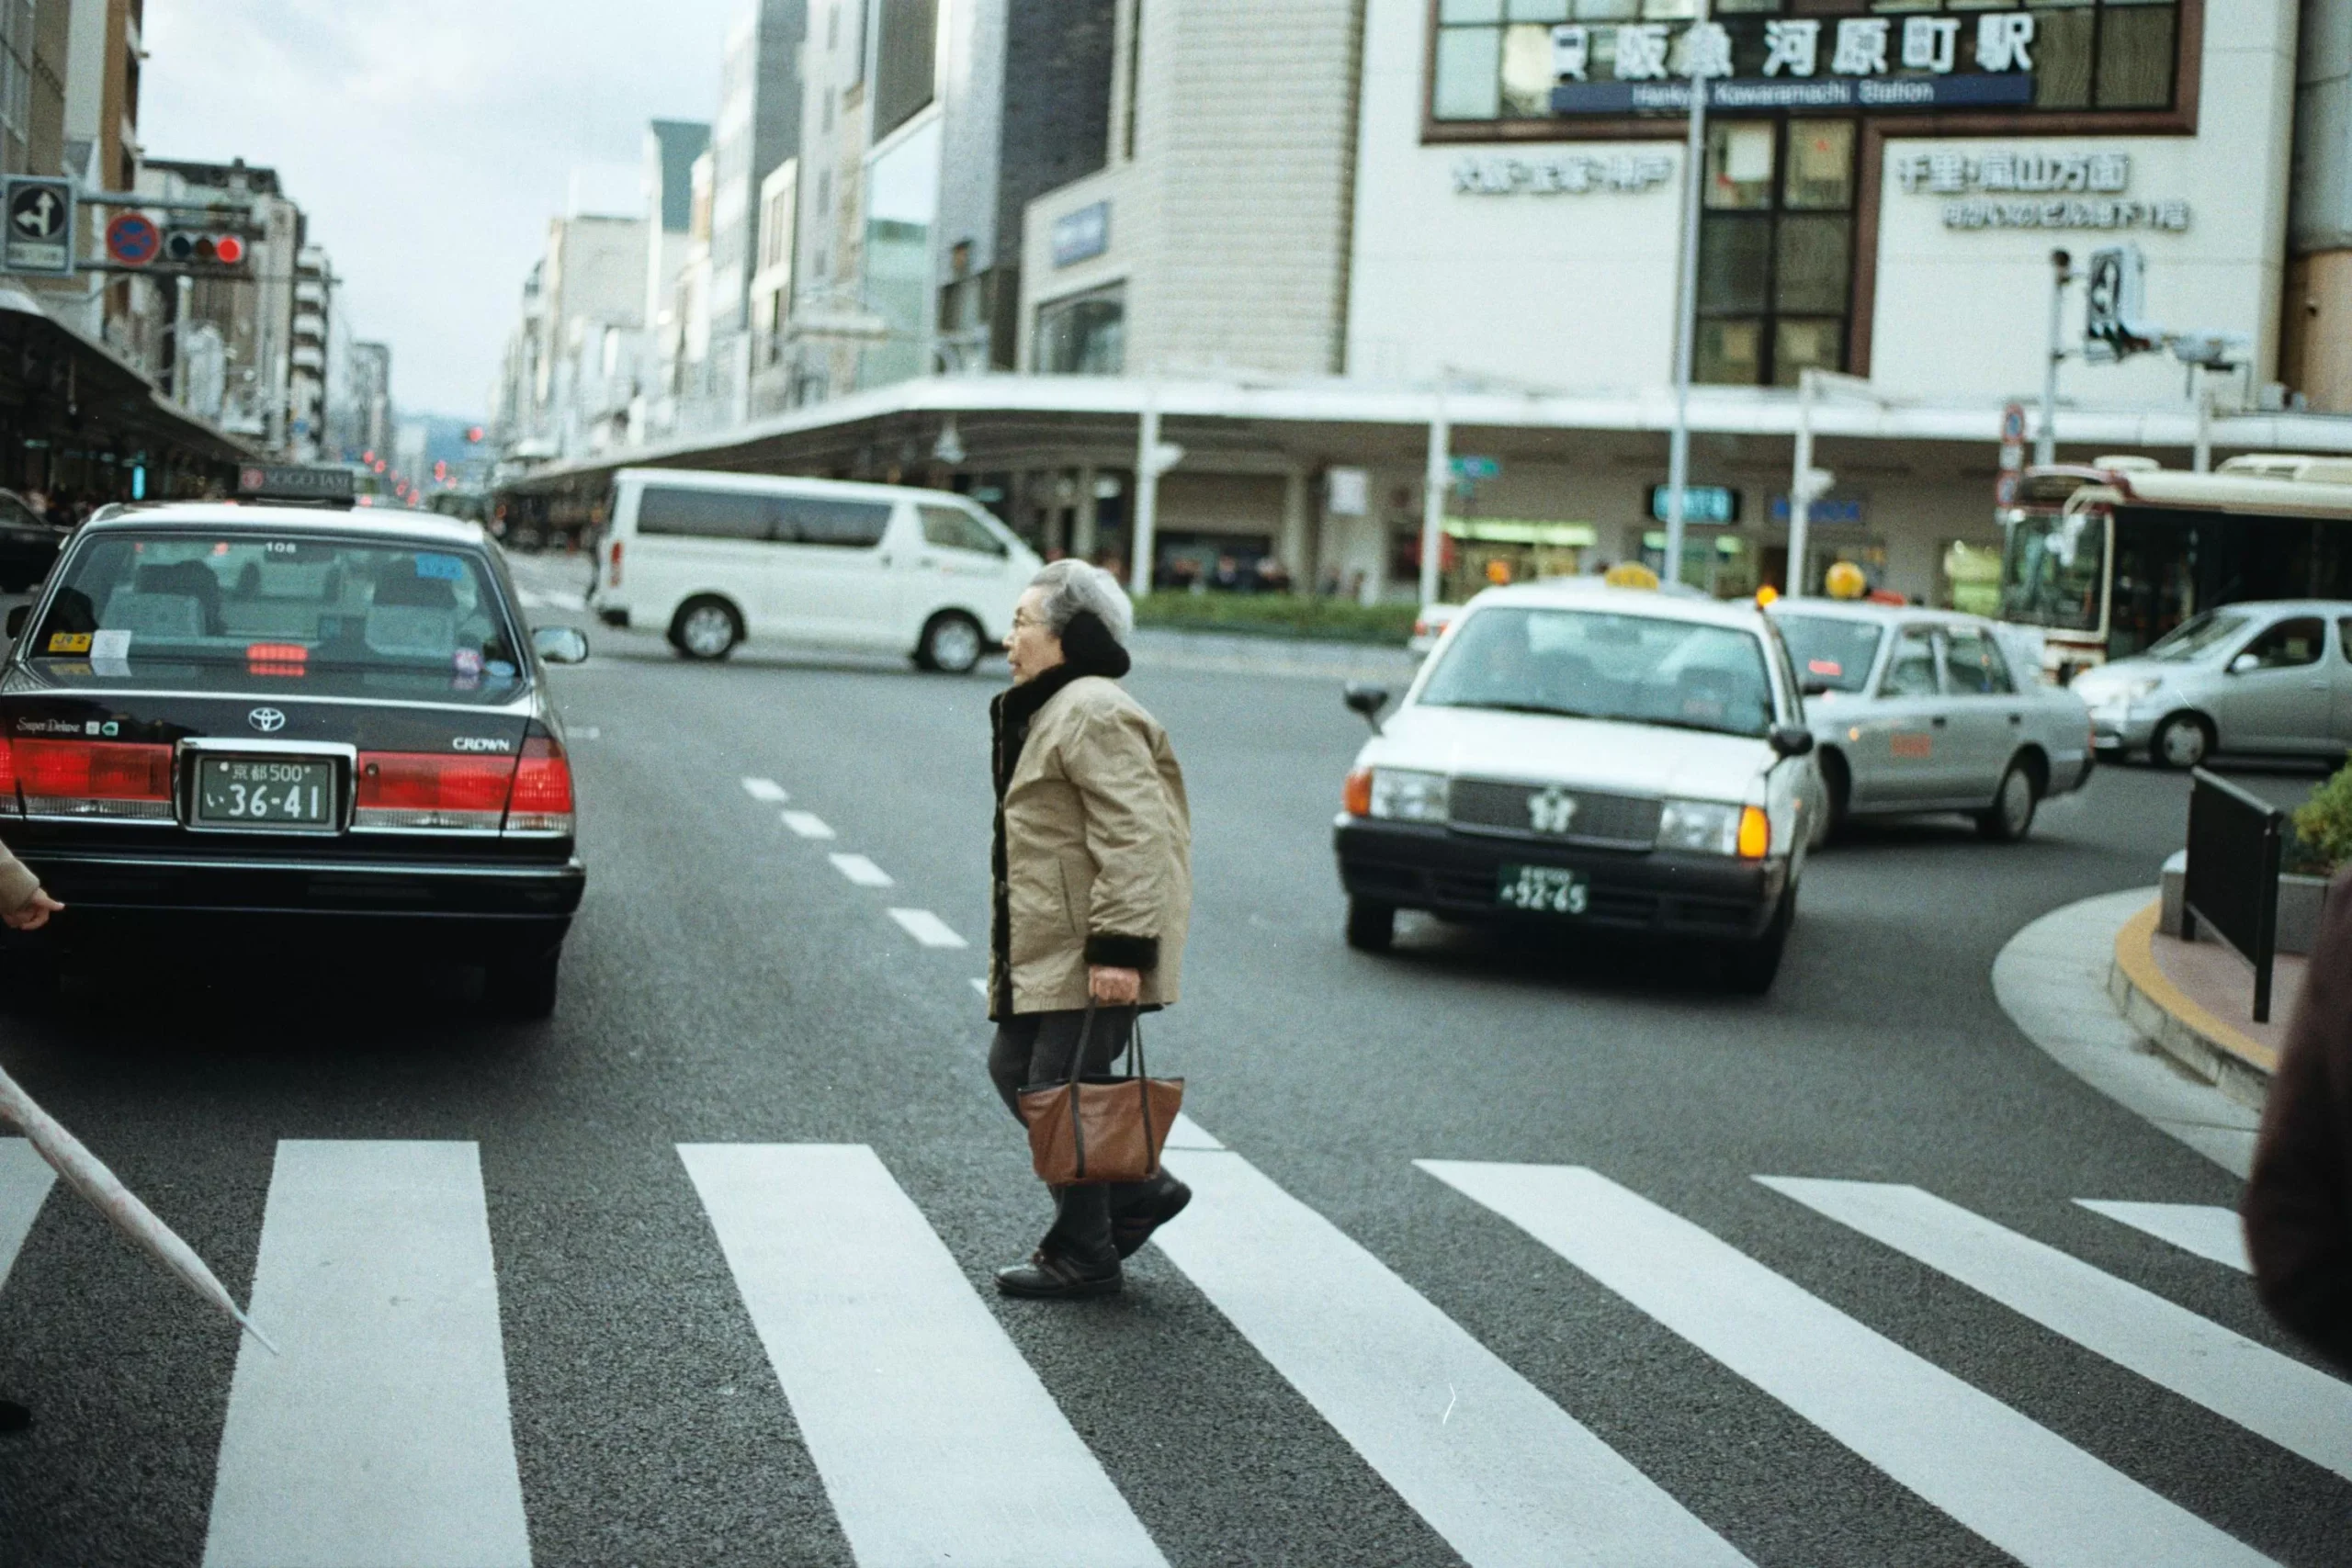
x: 2050, y: 570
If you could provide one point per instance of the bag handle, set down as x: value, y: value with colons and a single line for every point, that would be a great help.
x: 1141, y: 1079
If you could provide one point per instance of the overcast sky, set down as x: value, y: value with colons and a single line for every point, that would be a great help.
x: 430, y: 140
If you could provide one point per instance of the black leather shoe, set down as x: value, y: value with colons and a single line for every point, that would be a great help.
x: 1164, y: 1200
x: 13, y: 1417
x: 1051, y: 1278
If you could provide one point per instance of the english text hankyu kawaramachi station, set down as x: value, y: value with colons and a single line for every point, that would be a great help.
x: 1310, y: 235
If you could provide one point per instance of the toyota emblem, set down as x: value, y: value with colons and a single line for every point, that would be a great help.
x: 269, y: 721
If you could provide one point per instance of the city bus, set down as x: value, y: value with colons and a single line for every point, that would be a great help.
x: 2104, y: 560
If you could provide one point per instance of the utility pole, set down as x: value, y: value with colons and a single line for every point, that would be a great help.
x: 1434, y: 485
x: 2045, y: 440
x: 1686, y: 322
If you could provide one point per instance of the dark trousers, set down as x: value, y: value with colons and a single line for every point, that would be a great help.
x: 1035, y: 1048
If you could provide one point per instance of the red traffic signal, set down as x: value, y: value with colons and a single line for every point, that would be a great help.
x: 440, y: 470
x: 475, y: 433
x: 204, y: 247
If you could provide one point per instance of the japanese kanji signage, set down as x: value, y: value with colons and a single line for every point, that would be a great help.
x: 1555, y: 174
x: 1797, y: 62
x: 2024, y: 190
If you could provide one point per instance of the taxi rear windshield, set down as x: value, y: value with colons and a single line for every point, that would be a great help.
x: 280, y: 606
x: 1831, y: 652
x: 1587, y: 664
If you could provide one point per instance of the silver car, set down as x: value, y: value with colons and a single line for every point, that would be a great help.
x: 1930, y: 710
x: 2269, y: 678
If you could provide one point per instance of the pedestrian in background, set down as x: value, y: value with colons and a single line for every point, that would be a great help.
x: 1093, y: 889
x: 2297, y: 1205
x: 24, y: 906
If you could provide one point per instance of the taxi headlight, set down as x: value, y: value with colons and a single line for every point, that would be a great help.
x: 1408, y: 797
x: 1708, y: 827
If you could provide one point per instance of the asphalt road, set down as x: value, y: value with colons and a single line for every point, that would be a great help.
x: 727, y: 984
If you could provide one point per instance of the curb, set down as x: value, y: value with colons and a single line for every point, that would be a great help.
x: 2238, y: 1065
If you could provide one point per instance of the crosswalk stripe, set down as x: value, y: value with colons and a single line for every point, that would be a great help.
x: 25, y: 1181
x: 928, y: 928
x: 861, y: 870
x: 767, y: 790
x: 807, y: 824
x: 382, y: 1433
x: 2208, y: 1230
x: 936, y: 1440
x: 2015, y: 1483
x: 1505, y: 1475
x: 2298, y: 1407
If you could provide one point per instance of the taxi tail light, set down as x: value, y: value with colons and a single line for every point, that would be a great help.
x: 1754, y: 833
x: 431, y: 791
x: 1356, y: 797
x: 542, y: 799
x: 9, y: 804
x: 94, y: 778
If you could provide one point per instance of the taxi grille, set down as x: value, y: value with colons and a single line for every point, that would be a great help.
x: 1562, y: 815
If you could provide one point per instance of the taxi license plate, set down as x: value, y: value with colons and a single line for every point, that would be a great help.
x: 1543, y: 889
x: 265, y: 792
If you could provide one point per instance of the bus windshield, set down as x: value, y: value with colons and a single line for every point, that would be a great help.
x: 2052, y: 569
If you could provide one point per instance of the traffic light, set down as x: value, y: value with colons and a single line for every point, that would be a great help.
x: 475, y: 434
x: 204, y: 247
x: 441, y: 471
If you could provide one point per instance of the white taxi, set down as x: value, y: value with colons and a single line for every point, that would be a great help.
x: 1585, y: 754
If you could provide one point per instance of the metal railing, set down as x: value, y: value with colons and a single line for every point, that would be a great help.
x: 2233, y: 881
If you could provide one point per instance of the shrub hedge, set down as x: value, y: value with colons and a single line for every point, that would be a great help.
x: 1279, y: 614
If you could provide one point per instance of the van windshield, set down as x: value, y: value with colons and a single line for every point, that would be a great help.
x: 263, y: 608
x: 1587, y: 664
x: 2196, y: 637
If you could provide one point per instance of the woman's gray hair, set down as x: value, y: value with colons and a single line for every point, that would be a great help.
x: 1074, y: 585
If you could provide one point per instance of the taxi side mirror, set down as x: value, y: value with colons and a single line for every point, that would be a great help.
x: 1792, y: 739
x: 1367, y: 700
x: 561, y: 645
x: 17, y: 615
x: 1817, y: 688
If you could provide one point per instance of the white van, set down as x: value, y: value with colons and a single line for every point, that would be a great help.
x: 712, y: 558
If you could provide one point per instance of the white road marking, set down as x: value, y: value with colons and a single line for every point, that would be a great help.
x: 1509, y: 1478
x: 807, y: 824
x: 382, y: 1434
x: 927, y: 928
x: 860, y: 870
x: 25, y: 1181
x: 936, y: 1440
x: 2299, y: 1408
x: 2019, y: 1485
x: 2207, y: 1230
x: 980, y: 985
x: 534, y: 600
x: 1186, y: 1133
x: 767, y: 790
x: 585, y: 732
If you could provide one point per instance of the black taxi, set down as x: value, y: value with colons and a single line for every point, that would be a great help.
x: 224, y: 720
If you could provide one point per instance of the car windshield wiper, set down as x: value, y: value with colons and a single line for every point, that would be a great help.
x: 1702, y: 728
x: 1544, y: 709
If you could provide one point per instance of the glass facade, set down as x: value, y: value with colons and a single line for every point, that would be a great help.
x: 1083, y: 335
x: 1776, y: 250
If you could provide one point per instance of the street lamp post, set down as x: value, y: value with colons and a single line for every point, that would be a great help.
x: 1433, y: 488
x: 1686, y: 318
x: 2045, y: 440
x: 1808, y: 484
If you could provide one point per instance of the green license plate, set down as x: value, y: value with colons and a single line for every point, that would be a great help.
x: 264, y: 792
x: 1542, y: 889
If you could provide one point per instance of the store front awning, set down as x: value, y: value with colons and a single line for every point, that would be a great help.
x: 58, y: 386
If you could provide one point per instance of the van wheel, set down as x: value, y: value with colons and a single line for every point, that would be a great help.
x: 952, y: 643
x: 1372, y: 928
x: 708, y: 627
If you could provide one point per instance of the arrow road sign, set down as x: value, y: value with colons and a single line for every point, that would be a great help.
x: 133, y: 239
x: 39, y: 233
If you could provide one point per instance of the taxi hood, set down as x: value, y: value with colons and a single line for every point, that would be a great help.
x: 1607, y: 755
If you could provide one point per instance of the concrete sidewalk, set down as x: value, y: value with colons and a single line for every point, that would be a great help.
x: 2052, y: 979
x: 2194, y: 1001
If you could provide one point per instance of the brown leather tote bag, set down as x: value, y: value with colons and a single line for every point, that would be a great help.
x: 1090, y: 1130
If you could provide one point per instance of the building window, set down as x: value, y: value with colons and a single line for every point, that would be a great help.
x: 1085, y: 335
x: 905, y: 64
x: 1776, y: 250
x: 1501, y: 60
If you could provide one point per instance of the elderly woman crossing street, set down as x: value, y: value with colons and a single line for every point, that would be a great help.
x: 1093, y: 888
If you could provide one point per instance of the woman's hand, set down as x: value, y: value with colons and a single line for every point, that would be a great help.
x: 36, y: 912
x: 1113, y: 988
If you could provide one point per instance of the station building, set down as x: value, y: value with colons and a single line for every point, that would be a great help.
x: 1315, y: 229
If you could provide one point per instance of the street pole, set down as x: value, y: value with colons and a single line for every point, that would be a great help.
x: 1433, y: 488
x: 2045, y: 440
x: 1801, y: 486
x: 2201, y: 458
x: 1686, y: 318
x: 1147, y: 521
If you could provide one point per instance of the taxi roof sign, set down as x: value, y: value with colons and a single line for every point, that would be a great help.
x: 273, y: 482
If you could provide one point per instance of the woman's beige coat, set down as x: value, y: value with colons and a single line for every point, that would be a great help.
x: 1098, y: 853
